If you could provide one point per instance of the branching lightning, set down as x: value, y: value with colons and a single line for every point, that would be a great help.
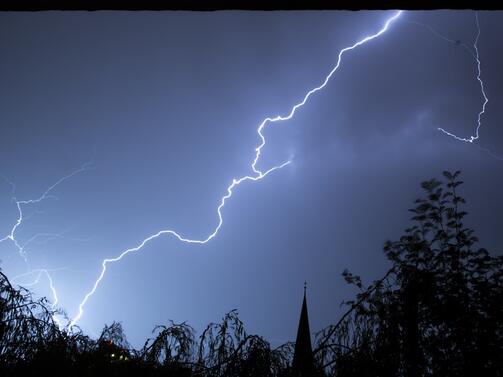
x: 20, y: 203
x: 256, y: 176
x: 21, y: 247
x: 476, y: 56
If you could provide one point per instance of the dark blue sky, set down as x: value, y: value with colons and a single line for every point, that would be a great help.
x: 166, y: 105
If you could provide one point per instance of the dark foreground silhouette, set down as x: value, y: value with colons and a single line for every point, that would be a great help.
x: 438, y: 311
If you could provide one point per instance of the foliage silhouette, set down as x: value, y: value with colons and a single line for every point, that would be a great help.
x: 438, y: 311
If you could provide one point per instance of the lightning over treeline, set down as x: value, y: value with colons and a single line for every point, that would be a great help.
x: 257, y: 173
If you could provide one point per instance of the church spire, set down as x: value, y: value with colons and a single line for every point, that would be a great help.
x: 303, y: 364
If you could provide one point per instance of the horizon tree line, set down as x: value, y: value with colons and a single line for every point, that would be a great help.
x: 437, y: 311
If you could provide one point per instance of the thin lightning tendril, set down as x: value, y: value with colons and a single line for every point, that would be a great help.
x: 39, y: 272
x: 447, y: 39
x: 472, y: 138
x: 20, y: 203
x: 475, y: 56
x: 258, y: 174
x: 21, y: 247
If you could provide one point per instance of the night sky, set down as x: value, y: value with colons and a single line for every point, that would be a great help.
x: 166, y: 105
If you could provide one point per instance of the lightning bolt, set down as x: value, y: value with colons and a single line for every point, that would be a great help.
x: 472, y: 138
x: 476, y: 57
x: 257, y: 173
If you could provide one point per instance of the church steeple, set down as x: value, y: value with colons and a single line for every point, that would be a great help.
x: 303, y: 363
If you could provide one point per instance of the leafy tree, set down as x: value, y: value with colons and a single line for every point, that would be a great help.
x: 438, y: 311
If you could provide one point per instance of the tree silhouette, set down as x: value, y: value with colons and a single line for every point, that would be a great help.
x: 438, y: 311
